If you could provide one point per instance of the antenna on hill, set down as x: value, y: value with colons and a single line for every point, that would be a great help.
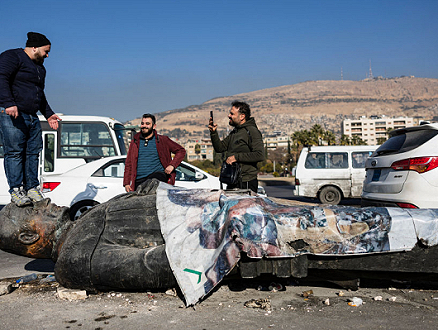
x: 342, y: 74
x: 371, y: 72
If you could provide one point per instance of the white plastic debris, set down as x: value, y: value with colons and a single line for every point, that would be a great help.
x: 355, y: 302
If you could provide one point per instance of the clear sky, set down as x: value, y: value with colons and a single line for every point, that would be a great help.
x: 125, y: 58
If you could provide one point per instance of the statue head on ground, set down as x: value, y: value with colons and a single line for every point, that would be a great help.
x: 33, y: 231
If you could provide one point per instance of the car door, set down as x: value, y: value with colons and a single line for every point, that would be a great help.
x: 336, y: 172
x: 188, y: 177
x: 107, y: 181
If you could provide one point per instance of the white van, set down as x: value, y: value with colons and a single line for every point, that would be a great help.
x: 78, y: 140
x: 331, y: 173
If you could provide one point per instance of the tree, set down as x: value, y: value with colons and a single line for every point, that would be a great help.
x: 302, y: 138
x: 357, y: 141
x: 345, y: 140
x: 268, y: 168
x: 316, y: 134
x: 197, y: 148
x: 329, y: 137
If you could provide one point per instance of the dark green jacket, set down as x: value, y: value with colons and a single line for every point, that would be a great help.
x: 246, y: 144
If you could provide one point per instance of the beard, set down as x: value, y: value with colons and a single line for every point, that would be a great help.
x: 232, y: 123
x: 39, y: 59
x: 145, y: 132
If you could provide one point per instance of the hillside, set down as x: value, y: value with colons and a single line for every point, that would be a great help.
x: 295, y: 107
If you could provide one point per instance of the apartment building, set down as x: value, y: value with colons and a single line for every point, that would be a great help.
x: 374, y: 130
x: 276, y: 140
x: 199, y: 149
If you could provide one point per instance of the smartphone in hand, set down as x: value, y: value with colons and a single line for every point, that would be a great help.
x: 211, y: 116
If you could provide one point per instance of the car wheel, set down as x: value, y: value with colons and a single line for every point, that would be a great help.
x: 81, y: 207
x: 330, y: 195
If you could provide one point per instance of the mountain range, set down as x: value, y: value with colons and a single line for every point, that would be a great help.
x: 295, y: 107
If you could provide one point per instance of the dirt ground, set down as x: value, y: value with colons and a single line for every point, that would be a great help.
x: 236, y: 304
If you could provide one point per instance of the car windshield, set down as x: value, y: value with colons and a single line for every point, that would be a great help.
x: 405, y: 141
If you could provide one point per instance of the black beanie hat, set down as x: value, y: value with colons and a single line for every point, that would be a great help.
x: 35, y: 39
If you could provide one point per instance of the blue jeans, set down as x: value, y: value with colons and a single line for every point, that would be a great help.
x: 22, y: 143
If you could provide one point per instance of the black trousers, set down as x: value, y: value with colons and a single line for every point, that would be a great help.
x: 252, y: 185
x: 156, y: 175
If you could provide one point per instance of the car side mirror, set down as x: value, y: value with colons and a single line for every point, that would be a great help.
x: 199, y: 176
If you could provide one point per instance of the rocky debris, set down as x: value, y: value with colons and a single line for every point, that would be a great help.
x: 5, y: 288
x: 171, y: 292
x: 307, y: 293
x: 259, y: 303
x: 71, y: 294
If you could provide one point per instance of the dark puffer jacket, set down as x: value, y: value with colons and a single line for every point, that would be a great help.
x: 22, y: 83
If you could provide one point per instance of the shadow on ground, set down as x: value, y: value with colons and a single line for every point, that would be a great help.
x: 40, y: 265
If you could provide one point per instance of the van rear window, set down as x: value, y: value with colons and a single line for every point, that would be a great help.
x: 326, y: 160
x: 406, y: 141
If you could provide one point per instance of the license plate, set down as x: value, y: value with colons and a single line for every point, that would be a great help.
x: 376, y: 175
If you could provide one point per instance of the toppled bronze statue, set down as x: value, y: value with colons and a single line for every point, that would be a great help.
x: 116, y: 245
x: 119, y: 244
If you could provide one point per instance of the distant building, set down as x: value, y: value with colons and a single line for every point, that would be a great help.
x: 276, y: 140
x: 199, y: 149
x: 375, y: 127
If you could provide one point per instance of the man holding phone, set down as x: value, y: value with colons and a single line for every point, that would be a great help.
x: 243, y: 145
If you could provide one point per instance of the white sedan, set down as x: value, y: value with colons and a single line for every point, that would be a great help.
x: 96, y: 182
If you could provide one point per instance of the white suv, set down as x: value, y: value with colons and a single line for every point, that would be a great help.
x: 403, y: 171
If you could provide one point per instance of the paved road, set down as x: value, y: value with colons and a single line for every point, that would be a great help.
x: 16, y: 266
